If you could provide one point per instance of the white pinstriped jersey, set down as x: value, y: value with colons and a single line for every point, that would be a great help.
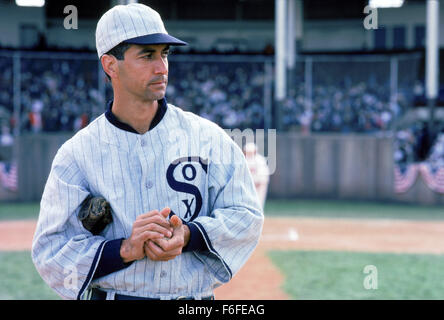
x: 186, y: 163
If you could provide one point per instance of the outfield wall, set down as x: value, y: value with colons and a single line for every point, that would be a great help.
x: 333, y: 166
x: 354, y: 167
x: 35, y: 155
x: 307, y: 166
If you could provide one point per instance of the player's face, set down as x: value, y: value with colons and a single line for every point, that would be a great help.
x: 144, y: 71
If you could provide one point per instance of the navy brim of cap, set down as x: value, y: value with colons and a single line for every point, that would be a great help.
x: 156, y: 38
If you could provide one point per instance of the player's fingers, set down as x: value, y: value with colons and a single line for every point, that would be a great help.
x: 144, y: 236
x: 165, y: 212
x: 147, y: 214
x: 156, y: 258
x: 175, y: 221
x: 155, y: 253
x: 173, y: 244
x: 166, y: 232
x: 161, y: 243
x: 157, y: 219
x: 149, y: 253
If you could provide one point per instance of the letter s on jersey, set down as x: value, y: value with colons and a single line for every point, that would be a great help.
x: 189, y: 173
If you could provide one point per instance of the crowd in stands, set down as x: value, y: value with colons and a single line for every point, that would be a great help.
x: 349, y: 97
x: 228, y: 93
x: 58, y: 94
x: 63, y: 95
x: 358, y: 108
x: 6, y: 99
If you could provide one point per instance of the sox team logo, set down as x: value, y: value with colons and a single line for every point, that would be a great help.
x: 189, y: 173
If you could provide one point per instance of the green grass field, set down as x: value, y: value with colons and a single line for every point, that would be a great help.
x: 19, y: 211
x: 19, y: 279
x: 308, y: 274
x: 325, y: 275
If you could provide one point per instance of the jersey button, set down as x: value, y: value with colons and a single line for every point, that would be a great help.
x: 142, y: 143
x: 149, y: 184
x: 163, y: 274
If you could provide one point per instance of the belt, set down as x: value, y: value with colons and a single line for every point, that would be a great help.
x: 97, y: 294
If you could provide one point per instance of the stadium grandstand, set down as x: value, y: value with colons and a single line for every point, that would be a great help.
x: 345, y: 78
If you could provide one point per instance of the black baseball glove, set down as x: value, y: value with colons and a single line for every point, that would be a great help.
x: 95, y: 214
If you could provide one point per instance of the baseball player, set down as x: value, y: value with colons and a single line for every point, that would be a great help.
x: 185, y: 215
x: 259, y: 170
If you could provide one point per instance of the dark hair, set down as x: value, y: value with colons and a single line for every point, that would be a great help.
x: 118, y: 52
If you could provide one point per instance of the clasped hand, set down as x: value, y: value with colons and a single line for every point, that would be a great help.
x: 155, y: 237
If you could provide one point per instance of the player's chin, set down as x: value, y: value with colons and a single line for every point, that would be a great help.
x: 156, y: 95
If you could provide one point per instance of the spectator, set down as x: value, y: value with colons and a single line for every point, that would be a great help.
x: 35, y: 116
x: 6, y: 138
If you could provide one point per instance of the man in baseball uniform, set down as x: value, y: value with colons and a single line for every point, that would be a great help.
x: 259, y: 170
x: 185, y: 215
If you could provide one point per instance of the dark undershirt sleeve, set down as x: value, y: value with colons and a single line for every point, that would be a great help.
x: 110, y: 260
x: 196, y: 242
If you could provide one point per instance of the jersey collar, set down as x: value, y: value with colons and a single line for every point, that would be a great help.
x: 161, y: 110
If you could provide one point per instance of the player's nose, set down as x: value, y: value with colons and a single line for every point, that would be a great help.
x: 161, y: 66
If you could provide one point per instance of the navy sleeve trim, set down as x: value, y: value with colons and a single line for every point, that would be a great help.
x: 110, y: 261
x: 210, y: 246
x: 196, y: 242
x: 91, y: 271
x: 106, y: 260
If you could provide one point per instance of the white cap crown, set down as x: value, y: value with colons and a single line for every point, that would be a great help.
x: 132, y: 23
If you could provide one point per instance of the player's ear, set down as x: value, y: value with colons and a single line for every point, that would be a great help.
x: 109, y: 65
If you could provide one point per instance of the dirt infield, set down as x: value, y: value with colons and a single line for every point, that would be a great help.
x: 260, y: 279
x: 16, y: 235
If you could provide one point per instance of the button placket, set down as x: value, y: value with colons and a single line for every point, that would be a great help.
x: 145, y: 170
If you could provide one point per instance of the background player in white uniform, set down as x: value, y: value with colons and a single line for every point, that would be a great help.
x: 150, y: 160
x: 259, y: 170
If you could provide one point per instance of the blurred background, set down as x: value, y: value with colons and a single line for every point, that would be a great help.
x: 352, y: 88
x: 345, y: 83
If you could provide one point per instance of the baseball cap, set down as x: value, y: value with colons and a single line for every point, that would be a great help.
x: 134, y: 23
